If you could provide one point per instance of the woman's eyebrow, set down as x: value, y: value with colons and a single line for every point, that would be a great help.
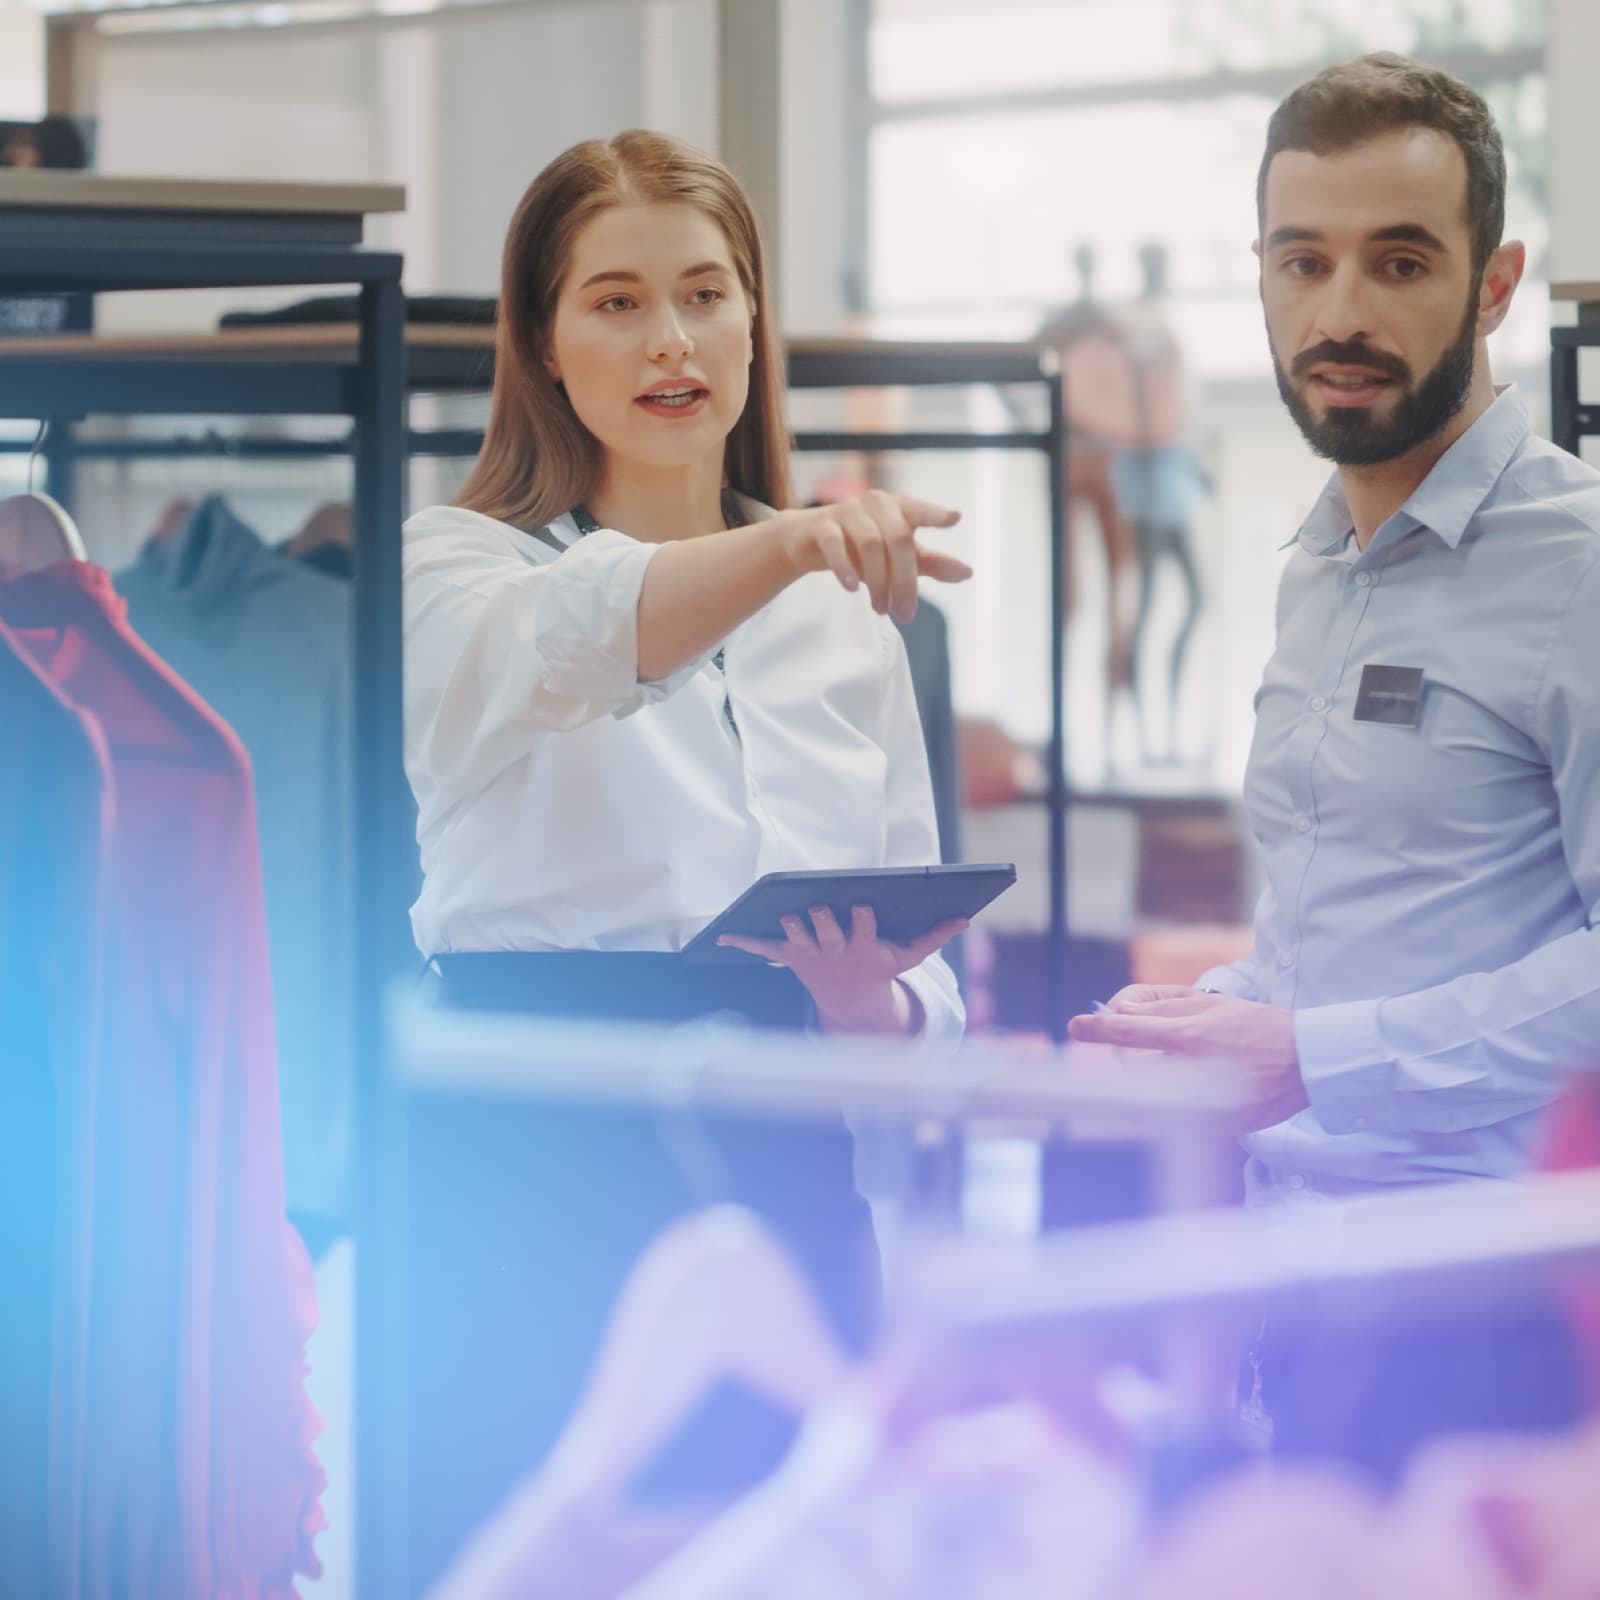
x: 620, y: 275
x: 610, y: 275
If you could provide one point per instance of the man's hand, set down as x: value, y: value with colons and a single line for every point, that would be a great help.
x: 1253, y: 1043
x: 854, y: 979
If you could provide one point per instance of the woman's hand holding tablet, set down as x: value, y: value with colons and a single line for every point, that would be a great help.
x: 847, y: 936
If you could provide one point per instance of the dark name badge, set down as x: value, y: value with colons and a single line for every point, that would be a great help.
x: 1390, y: 694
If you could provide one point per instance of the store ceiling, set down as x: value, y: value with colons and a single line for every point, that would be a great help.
x: 152, y: 15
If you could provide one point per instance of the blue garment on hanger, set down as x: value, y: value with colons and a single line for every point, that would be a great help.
x: 266, y: 641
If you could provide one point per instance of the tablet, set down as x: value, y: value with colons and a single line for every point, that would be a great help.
x: 909, y: 902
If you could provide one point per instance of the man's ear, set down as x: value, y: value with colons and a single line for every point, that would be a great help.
x: 1501, y: 275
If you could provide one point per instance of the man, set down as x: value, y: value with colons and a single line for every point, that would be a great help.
x: 1425, y: 776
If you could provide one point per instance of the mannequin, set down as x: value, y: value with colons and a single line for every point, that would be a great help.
x: 1100, y: 419
x: 1157, y: 483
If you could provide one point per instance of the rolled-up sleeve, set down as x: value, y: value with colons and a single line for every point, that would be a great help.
x: 911, y: 837
x: 500, y: 649
x: 586, y: 624
x: 1489, y: 1045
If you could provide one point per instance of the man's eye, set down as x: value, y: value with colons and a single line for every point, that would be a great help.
x: 1302, y: 266
x: 1407, y: 267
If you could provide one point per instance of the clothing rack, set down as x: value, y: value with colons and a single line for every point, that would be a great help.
x: 1449, y: 1243
x: 718, y: 1066
x: 315, y: 370
x: 75, y: 232
x: 1190, y: 1279
x: 456, y: 359
x: 1570, y: 420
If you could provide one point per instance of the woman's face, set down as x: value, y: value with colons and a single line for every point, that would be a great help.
x: 652, y: 335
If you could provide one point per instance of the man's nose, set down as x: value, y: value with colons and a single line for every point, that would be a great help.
x: 1345, y: 311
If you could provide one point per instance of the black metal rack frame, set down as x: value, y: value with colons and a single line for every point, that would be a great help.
x: 1570, y: 420
x: 467, y: 366
x: 45, y: 250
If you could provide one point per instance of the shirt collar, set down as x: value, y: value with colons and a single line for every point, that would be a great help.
x: 1448, y: 498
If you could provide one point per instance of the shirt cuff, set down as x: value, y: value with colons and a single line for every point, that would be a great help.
x: 944, y: 1017
x: 1347, y: 1072
x: 1227, y: 980
x: 588, y: 625
x: 1356, y: 1082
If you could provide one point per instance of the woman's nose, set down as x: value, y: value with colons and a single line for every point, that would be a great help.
x: 669, y: 339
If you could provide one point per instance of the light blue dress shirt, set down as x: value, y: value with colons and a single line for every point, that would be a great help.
x: 1432, y: 893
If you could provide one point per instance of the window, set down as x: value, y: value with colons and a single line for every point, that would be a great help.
x: 1004, y: 136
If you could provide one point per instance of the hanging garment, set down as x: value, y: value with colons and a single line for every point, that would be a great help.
x: 1571, y: 1142
x: 55, y: 828
x: 266, y: 642
x: 194, y: 1477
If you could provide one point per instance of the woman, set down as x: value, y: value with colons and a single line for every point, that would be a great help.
x: 634, y: 684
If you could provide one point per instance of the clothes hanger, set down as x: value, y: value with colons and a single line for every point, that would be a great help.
x: 714, y: 1297
x: 330, y: 523
x: 35, y: 530
x: 171, y: 521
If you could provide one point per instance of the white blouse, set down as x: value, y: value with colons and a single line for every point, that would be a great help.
x: 564, y: 805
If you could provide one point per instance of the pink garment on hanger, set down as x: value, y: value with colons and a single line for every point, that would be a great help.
x: 197, y: 1478
x: 1572, y: 1143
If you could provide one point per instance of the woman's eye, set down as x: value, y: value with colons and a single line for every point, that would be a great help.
x: 707, y: 296
x: 616, y: 302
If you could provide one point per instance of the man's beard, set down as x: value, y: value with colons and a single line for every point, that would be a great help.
x: 1353, y: 436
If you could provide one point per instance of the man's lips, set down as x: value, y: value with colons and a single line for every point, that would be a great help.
x: 1348, y: 386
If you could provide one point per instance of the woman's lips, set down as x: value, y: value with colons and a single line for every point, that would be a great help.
x: 681, y: 400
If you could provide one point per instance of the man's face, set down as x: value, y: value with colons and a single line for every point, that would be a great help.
x: 1371, y: 300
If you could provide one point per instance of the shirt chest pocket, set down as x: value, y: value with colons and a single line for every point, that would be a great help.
x: 1463, y: 773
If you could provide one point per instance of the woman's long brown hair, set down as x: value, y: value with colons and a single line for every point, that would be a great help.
x: 538, y: 460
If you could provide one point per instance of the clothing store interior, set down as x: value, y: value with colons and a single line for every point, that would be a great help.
x: 610, y: 609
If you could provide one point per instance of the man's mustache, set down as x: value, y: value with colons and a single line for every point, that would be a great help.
x: 1350, y: 355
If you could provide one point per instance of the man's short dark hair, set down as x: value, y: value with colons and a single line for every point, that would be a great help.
x: 1346, y: 105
